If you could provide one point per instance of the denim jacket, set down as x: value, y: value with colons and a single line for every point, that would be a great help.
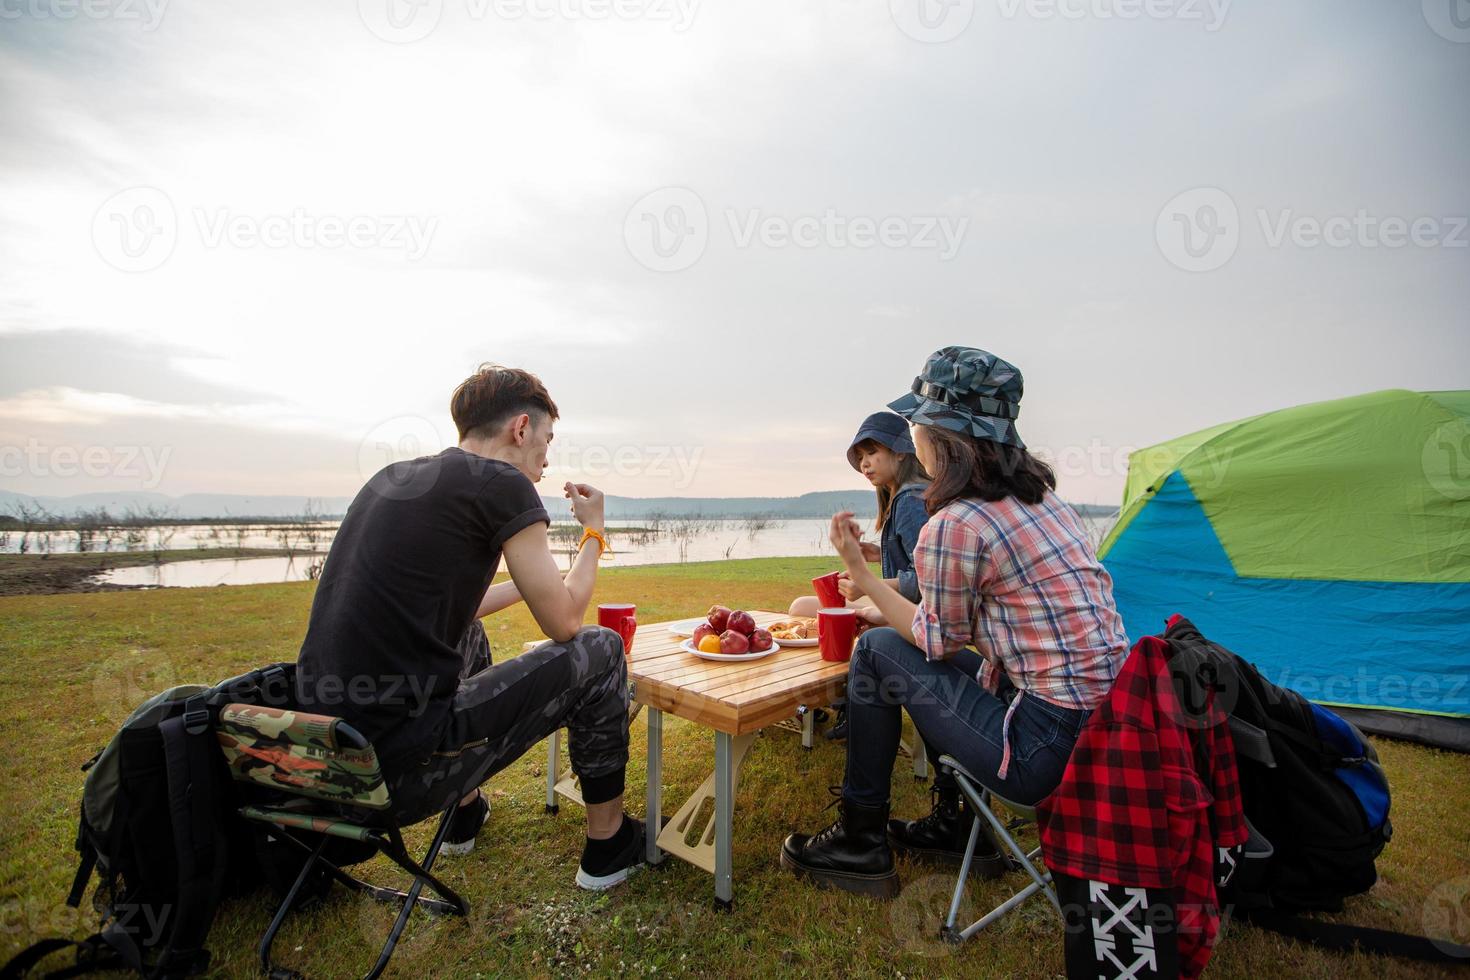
x: 900, y: 534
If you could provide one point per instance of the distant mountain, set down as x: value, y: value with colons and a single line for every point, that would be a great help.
x: 198, y: 506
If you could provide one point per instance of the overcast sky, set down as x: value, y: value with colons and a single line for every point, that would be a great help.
x: 260, y: 242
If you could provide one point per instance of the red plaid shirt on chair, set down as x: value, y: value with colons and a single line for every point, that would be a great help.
x: 1022, y: 586
x: 1148, y: 794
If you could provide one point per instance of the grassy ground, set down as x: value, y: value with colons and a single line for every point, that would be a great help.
x: 73, y: 572
x: 76, y: 664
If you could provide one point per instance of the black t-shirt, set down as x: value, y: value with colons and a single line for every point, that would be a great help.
x: 419, y: 545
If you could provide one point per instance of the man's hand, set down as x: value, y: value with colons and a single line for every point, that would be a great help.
x: 587, y: 505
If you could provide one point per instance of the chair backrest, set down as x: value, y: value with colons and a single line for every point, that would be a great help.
x: 302, y: 754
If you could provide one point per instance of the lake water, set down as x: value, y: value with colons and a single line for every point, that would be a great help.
x: 715, y: 541
x: 293, y: 536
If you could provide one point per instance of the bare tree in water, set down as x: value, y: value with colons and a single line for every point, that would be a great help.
x: 89, y: 526
x: 685, y: 528
x: 28, y: 515
x: 756, y: 523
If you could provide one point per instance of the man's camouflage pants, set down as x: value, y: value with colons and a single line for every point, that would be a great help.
x: 499, y: 713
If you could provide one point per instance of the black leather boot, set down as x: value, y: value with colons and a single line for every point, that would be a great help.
x: 852, y: 854
x: 945, y: 832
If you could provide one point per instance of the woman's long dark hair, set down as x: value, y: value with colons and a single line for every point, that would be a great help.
x: 969, y: 467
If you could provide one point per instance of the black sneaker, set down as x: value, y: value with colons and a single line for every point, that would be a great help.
x: 597, y: 875
x: 465, y: 825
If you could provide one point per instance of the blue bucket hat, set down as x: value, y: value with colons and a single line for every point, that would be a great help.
x: 884, y: 428
x: 966, y: 390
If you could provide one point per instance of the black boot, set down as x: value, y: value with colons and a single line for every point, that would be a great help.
x: 945, y: 832
x: 852, y: 854
x: 838, y: 731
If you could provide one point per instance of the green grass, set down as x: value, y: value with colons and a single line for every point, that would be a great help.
x: 76, y: 664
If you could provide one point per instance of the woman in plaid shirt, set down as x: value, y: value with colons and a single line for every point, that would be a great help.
x: 1014, y: 641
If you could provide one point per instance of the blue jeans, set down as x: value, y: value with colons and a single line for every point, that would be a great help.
x: 954, y: 715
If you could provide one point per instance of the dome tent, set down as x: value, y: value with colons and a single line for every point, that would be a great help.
x: 1329, y: 544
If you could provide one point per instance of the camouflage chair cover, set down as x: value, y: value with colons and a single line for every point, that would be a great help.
x: 310, y: 757
x: 301, y: 754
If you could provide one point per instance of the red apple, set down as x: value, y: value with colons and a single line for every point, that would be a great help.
x: 719, y: 618
x: 733, y: 642
x: 741, y: 622
x: 701, y: 631
x: 760, y: 641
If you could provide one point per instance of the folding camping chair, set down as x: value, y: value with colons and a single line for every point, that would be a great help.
x: 979, y: 799
x: 311, y: 758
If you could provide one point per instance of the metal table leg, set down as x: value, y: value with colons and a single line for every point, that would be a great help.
x: 654, y: 812
x: 808, y: 726
x: 553, y: 759
x: 921, y: 757
x: 724, y: 821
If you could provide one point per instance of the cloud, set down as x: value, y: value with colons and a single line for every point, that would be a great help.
x: 528, y: 139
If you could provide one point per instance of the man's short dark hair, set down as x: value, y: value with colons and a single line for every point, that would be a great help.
x: 493, y: 394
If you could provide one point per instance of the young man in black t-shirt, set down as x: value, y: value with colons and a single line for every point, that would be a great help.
x: 397, y: 610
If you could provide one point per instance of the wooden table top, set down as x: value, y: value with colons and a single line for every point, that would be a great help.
x: 736, y: 698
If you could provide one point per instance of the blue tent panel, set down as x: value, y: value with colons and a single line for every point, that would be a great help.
x: 1338, y: 642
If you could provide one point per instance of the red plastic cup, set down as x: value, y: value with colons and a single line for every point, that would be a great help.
x: 827, y: 593
x: 621, y: 618
x: 836, y: 633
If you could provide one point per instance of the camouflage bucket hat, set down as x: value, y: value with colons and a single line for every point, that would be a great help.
x: 967, y: 390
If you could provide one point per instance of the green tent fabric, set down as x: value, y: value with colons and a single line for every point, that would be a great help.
x: 1329, y: 542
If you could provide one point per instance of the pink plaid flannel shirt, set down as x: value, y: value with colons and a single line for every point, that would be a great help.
x: 1023, y: 587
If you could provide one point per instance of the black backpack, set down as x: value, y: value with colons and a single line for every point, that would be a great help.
x: 160, y: 828
x: 1315, y: 798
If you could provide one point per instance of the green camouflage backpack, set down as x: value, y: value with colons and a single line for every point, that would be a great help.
x: 160, y: 828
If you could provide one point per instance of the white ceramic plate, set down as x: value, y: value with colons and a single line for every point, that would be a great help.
x: 686, y: 627
x: 808, y: 642
x: 732, y: 658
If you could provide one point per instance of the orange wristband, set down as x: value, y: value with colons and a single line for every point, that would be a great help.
x: 602, y: 545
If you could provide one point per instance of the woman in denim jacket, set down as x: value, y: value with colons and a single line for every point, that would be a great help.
x: 883, y: 452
